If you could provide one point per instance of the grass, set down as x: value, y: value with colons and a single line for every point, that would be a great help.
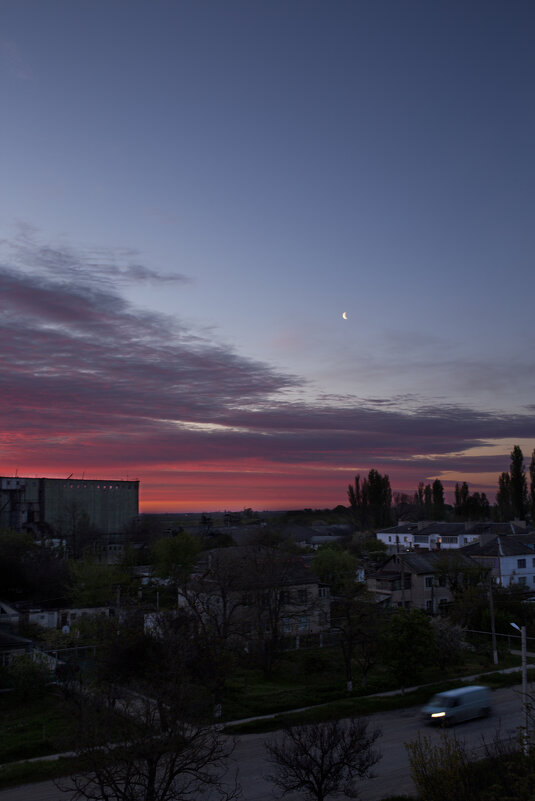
x: 17, y: 773
x: 33, y: 728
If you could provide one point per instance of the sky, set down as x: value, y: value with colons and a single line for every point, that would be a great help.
x: 193, y: 194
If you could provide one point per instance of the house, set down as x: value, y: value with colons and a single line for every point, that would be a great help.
x: 255, y: 590
x: 431, y: 536
x: 510, y: 559
x: 419, y: 580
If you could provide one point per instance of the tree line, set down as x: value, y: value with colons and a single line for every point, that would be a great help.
x: 373, y: 505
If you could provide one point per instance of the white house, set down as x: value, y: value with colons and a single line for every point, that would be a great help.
x: 511, y: 559
x: 435, y: 536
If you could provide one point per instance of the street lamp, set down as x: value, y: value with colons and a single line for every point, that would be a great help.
x: 522, y: 631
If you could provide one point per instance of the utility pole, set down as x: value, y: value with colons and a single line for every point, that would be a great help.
x: 525, y: 738
x: 492, y: 625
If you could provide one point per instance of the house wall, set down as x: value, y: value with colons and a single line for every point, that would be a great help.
x: 422, y: 591
x: 513, y: 571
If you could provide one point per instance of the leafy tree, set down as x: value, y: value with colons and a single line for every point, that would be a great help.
x: 28, y: 677
x: 470, y: 507
x: 94, y: 583
x: 409, y: 644
x: 442, y: 771
x: 461, y: 499
x: 175, y: 557
x: 512, y: 495
x: 371, y: 503
x: 335, y: 567
x: 518, y: 484
x: 428, y: 501
x: 323, y: 759
x: 438, y: 499
x: 448, y: 641
x: 532, y: 484
x: 503, y: 497
x: 353, y: 616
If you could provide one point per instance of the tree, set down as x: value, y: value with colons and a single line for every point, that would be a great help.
x: 148, y: 759
x: 503, y: 497
x: 371, y: 503
x: 214, y: 597
x: 93, y: 583
x: 409, y: 644
x: 532, y: 485
x: 152, y: 738
x: 512, y: 495
x: 461, y: 499
x: 28, y: 677
x: 175, y: 557
x: 335, y: 567
x: 519, y: 489
x: 353, y: 616
x: 278, y: 589
x: 448, y: 641
x: 428, y: 501
x: 443, y: 771
x: 438, y: 499
x: 323, y: 759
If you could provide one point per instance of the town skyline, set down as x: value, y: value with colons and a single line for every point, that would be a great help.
x: 251, y: 251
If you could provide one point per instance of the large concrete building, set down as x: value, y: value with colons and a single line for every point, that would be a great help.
x: 52, y: 505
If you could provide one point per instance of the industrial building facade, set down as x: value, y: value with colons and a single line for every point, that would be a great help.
x: 43, y: 505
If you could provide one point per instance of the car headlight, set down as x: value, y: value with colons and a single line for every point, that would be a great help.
x: 438, y: 714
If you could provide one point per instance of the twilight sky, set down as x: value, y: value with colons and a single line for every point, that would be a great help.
x: 194, y: 192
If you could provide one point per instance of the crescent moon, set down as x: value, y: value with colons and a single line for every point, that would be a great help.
x: 344, y: 315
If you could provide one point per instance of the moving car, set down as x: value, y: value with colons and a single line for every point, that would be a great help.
x: 454, y: 706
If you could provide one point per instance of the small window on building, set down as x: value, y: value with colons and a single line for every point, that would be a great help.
x: 323, y: 592
x: 521, y: 579
x: 302, y: 596
x: 390, y: 539
x: 285, y: 597
x: 533, y: 562
x: 302, y: 623
x: 521, y: 563
x: 429, y: 606
x: 286, y: 625
x: 429, y: 581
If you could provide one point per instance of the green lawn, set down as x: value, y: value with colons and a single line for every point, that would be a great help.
x: 34, y: 728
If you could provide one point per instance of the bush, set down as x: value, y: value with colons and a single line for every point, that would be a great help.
x: 28, y: 677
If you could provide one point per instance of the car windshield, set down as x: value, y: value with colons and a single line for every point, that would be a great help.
x: 442, y: 700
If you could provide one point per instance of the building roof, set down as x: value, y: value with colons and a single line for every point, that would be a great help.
x: 499, y: 546
x: 425, y: 562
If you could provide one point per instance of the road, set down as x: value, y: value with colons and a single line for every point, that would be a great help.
x: 392, y: 772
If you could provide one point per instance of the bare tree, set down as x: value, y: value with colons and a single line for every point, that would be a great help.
x: 129, y: 751
x: 324, y: 758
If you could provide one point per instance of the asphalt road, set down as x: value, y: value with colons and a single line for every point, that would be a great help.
x: 392, y: 772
